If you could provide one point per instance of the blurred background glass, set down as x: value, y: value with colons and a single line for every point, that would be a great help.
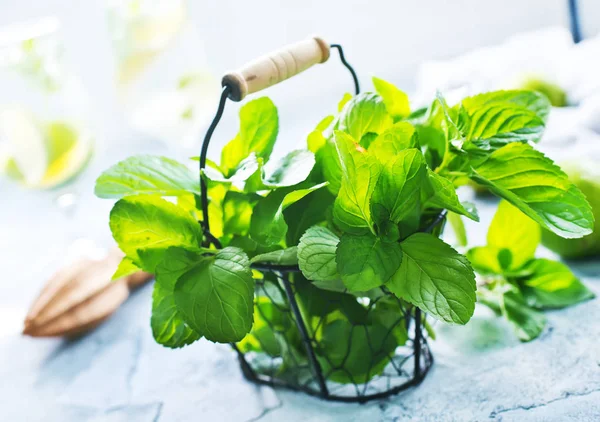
x: 162, y: 77
x: 45, y: 138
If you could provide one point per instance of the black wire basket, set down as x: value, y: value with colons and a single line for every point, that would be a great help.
x: 304, y: 362
x: 289, y: 347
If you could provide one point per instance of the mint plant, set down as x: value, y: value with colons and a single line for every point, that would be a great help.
x: 515, y: 284
x: 359, y: 211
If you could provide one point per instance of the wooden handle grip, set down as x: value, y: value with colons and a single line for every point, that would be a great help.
x: 275, y: 67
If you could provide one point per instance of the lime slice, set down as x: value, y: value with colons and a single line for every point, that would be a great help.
x: 43, y: 157
x: 69, y: 152
x: 28, y: 152
x: 12, y: 171
x: 60, y: 138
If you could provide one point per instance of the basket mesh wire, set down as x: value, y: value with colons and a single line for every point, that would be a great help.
x: 328, y: 344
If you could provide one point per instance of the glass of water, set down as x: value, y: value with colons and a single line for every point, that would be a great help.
x: 162, y: 77
x: 45, y: 139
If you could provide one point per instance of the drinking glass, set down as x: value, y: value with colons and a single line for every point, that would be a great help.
x: 45, y: 139
x: 162, y: 77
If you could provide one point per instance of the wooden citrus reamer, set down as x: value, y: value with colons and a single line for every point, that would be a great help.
x: 80, y: 296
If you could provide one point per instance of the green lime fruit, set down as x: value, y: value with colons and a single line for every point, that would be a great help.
x: 589, y: 246
x: 555, y: 94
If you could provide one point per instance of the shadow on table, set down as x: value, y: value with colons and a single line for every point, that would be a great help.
x: 74, y: 355
x: 485, y: 332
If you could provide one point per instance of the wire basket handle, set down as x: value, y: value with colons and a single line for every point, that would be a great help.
x: 275, y: 67
x: 255, y: 76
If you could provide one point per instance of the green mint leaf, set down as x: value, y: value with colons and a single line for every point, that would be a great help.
x: 316, y: 254
x: 505, y: 299
x: 148, y: 258
x: 458, y: 226
x: 149, y: 222
x: 126, y: 267
x: 347, y: 97
x: 390, y: 312
x: 242, y: 172
x: 388, y: 231
x: 329, y: 161
x: 528, y: 323
x: 436, y: 278
x: 325, y: 122
x: 176, y: 262
x: 289, y: 170
x: 367, y: 139
x: 391, y: 141
x: 237, y: 213
x: 501, y: 117
x: 449, y: 120
x: 319, y: 303
x: 535, y: 185
x: 216, y: 296
x: 363, y: 114
x: 188, y: 203
x: 259, y: 124
x: 396, y: 101
x: 250, y: 246
x: 443, y: 195
x: 272, y: 332
x: 146, y: 175
x: 512, y: 230
x: 307, y: 212
x: 533, y: 101
x: 168, y: 326
x: 360, y: 172
x: 397, y: 194
x: 267, y: 224
x: 433, y: 144
x: 315, y: 141
x: 418, y: 116
x: 505, y: 258
x: 355, y: 353
x: 553, y: 285
x: 499, y: 124
x: 365, y: 261
x: 336, y: 285
x: 485, y: 260
x: 288, y: 256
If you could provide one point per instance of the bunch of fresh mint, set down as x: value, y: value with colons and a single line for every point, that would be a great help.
x: 515, y: 284
x: 351, y: 210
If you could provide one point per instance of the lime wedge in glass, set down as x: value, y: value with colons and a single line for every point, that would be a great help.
x: 42, y: 156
